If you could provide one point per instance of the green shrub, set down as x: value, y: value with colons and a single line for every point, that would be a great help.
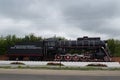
x: 97, y: 65
x: 17, y: 63
x: 55, y: 64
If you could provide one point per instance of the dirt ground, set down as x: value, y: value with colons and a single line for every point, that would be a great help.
x: 60, y: 72
x: 3, y: 57
x: 116, y: 59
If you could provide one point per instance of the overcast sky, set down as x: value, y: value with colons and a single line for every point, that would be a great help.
x: 67, y: 18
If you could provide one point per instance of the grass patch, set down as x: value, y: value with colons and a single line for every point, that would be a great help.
x: 67, y: 68
x: 5, y: 67
x: 87, y: 68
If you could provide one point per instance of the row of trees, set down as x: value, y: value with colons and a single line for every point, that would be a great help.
x: 9, y: 40
x: 12, y: 39
x: 113, y: 45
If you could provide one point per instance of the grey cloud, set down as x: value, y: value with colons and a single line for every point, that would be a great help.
x: 66, y: 17
x: 91, y: 15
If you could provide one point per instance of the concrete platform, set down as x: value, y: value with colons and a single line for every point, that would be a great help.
x: 74, y: 64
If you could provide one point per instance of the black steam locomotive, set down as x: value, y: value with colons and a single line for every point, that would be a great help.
x: 53, y: 49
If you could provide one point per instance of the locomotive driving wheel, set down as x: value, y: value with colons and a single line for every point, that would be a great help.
x: 67, y: 57
x: 75, y: 58
x: 58, y: 57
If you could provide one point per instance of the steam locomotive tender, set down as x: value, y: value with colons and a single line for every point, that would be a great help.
x: 53, y: 49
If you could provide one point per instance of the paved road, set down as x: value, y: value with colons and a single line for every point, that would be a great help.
x: 30, y: 74
x: 54, y: 77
